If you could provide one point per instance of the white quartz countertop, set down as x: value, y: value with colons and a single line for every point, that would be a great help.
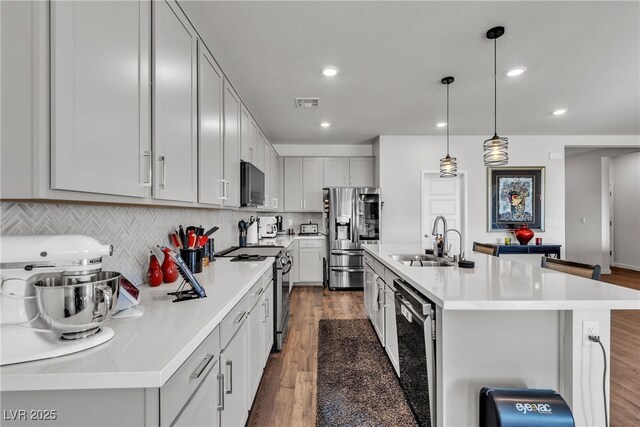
x: 147, y: 350
x: 500, y: 284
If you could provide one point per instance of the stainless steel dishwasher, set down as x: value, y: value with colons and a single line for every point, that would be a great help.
x: 415, y: 322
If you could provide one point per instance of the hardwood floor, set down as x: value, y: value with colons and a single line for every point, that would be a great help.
x: 625, y: 355
x: 287, y: 394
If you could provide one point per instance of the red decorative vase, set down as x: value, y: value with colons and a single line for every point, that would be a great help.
x: 154, y: 274
x: 169, y: 269
x: 524, y: 234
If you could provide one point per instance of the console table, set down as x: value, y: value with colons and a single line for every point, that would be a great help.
x: 546, y: 250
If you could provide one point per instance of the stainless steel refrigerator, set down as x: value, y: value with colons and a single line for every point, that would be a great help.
x: 351, y: 218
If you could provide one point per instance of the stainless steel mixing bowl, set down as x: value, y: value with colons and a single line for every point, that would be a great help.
x: 77, y: 306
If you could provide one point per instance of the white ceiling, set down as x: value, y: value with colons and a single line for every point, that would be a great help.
x: 583, y: 56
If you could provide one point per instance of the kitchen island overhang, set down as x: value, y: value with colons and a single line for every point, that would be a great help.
x: 509, y: 324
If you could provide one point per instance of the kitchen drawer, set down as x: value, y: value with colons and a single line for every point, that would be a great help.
x: 267, y: 278
x: 232, y: 321
x: 179, y: 388
x: 378, y: 267
x: 310, y: 243
x: 253, y: 296
x: 368, y: 258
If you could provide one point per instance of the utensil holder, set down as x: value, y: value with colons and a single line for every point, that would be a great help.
x: 193, y: 259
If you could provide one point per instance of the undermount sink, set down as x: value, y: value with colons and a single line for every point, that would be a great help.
x: 420, y: 260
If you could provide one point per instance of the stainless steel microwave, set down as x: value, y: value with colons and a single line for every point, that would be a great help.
x: 251, y: 185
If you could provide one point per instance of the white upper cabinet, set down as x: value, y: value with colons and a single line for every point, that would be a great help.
x: 312, y: 184
x: 210, y: 123
x: 247, y: 137
x: 175, y: 108
x: 293, y: 184
x: 268, y: 192
x: 361, y: 171
x: 303, y: 184
x: 276, y: 179
x: 261, y: 148
x: 100, y: 100
x: 336, y: 171
x: 232, y: 111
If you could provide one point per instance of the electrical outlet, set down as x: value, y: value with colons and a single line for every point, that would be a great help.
x: 589, y: 328
x: 290, y: 222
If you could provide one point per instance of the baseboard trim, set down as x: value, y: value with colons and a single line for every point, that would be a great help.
x: 626, y: 266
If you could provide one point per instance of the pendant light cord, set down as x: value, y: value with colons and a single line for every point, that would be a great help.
x: 447, y: 119
x: 495, y: 87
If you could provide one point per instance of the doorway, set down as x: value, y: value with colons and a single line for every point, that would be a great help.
x: 446, y: 197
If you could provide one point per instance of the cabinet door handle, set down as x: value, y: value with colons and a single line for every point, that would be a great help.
x: 266, y: 306
x: 163, y: 181
x: 227, y: 188
x: 259, y: 292
x: 203, y: 365
x: 304, y: 204
x: 264, y: 312
x: 220, y: 378
x: 223, y: 189
x: 301, y: 204
x: 148, y: 165
x: 239, y: 317
x: 274, y: 202
x: 229, y: 364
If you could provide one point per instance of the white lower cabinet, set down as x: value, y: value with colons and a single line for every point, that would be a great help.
x: 368, y: 288
x: 233, y: 367
x: 390, y: 329
x: 181, y: 398
x: 268, y: 324
x: 378, y: 308
x: 256, y: 337
x: 201, y: 409
x: 310, y: 260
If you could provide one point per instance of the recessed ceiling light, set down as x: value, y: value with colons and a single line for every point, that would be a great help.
x: 441, y: 124
x: 330, y: 71
x: 325, y: 124
x: 515, y: 71
x: 559, y: 111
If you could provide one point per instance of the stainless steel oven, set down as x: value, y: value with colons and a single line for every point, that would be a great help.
x: 281, y: 284
x: 416, y: 326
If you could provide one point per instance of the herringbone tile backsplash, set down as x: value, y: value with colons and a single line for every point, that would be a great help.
x: 133, y: 231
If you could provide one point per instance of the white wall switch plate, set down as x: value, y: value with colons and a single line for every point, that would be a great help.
x: 589, y: 328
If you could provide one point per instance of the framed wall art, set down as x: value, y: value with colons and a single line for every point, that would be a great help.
x: 516, y: 197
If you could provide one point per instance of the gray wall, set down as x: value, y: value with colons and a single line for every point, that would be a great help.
x: 133, y: 231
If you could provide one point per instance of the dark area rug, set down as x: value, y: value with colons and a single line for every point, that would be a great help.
x: 357, y: 385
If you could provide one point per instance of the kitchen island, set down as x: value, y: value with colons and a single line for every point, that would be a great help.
x: 509, y: 324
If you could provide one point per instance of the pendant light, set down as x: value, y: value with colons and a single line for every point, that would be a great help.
x: 448, y: 164
x: 495, y: 148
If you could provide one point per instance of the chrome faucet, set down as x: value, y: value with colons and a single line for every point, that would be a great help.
x: 461, y: 254
x: 434, y: 232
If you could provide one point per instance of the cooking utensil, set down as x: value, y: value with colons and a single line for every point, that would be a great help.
x: 192, y: 240
x: 202, y: 240
x: 173, y: 238
x: 211, y: 231
x: 183, y: 237
x: 76, y: 309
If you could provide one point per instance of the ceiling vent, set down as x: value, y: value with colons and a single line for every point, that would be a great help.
x: 307, y: 102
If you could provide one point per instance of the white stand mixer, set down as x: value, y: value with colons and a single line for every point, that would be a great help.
x: 26, y: 332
